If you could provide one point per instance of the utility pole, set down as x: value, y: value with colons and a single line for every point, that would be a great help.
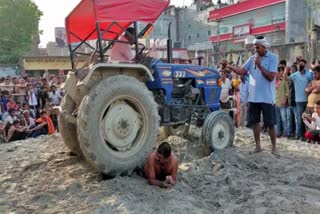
x: 216, y: 47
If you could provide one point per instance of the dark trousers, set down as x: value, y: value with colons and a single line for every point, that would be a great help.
x: 301, y: 107
x: 42, y: 131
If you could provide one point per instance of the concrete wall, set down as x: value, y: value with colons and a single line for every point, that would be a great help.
x: 191, y: 29
x: 296, y: 14
x: 8, y: 70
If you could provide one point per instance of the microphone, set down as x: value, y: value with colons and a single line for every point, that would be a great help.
x: 256, y: 56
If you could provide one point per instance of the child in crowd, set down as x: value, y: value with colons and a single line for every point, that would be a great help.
x: 313, y: 123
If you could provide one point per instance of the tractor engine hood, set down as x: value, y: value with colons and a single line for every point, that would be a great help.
x: 186, y: 70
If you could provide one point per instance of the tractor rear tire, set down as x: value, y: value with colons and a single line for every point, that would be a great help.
x: 217, y: 132
x: 68, y: 130
x: 118, y: 125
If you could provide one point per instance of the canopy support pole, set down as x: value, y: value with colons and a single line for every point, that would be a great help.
x: 136, y: 41
x: 71, y: 57
x: 102, y: 59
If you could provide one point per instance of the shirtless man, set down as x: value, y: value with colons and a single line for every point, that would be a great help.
x: 162, y: 167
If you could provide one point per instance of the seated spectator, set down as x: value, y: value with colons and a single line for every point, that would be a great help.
x: 26, y: 107
x: 313, y: 123
x: 53, y: 116
x: 44, y: 125
x: 11, y: 116
x: 1, y: 128
x: 28, y: 120
x: 16, y: 132
x: 12, y: 104
x: 19, y: 109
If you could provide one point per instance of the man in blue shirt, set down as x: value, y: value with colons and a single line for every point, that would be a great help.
x: 262, y: 69
x: 300, y: 81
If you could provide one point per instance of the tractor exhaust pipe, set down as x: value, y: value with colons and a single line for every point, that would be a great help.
x: 169, y: 45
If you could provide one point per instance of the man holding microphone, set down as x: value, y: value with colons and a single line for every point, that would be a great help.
x: 262, y: 69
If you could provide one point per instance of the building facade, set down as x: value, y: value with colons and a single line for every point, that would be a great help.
x: 283, y: 22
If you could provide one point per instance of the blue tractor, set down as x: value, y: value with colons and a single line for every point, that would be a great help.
x: 112, y: 112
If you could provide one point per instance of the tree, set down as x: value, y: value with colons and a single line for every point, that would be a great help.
x: 19, y: 22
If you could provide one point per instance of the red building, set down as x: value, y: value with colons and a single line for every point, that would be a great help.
x: 249, y: 18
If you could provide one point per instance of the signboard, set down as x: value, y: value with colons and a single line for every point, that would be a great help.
x: 60, y: 35
x: 241, y: 32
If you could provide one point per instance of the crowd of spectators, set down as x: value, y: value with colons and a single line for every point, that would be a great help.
x: 26, y: 106
x: 297, y: 98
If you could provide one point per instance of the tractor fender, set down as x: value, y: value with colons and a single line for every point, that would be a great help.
x: 120, y: 66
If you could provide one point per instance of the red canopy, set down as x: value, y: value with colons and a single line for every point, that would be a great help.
x: 82, y: 20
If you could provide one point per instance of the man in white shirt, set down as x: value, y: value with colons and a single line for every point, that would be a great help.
x: 225, y: 87
x: 122, y: 51
x: 54, y: 96
x: 244, y: 95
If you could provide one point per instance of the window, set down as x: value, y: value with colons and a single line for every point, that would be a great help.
x: 198, y: 35
x: 189, y: 25
x: 209, y: 33
x: 189, y: 37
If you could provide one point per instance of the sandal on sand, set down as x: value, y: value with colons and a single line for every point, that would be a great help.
x: 255, y: 151
x: 276, y: 154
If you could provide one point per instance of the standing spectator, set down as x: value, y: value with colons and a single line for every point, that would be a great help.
x: 12, y: 103
x: 244, y: 94
x: 262, y: 70
x: 21, y: 90
x: 283, y: 64
x: 235, y: 92
x: 32, y: 98
x: 43, y: 97
x: 225, y: 87
x: 292, y: 116
x: 27, y: 78
x: 313, y: 90
x: 281, y: 103
x: 4, y: 100
x: 53, y: 81
x: 300, y: 80
x: 54, y: 96
x: 314, y: 63
x: 7, y: 85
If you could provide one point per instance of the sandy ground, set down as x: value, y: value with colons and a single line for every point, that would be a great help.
x: 39, y: 176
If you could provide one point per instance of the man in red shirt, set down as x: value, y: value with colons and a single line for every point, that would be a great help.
x: 122, y: 51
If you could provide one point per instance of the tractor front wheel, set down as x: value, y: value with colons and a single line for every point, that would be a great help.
x: 217, y: 132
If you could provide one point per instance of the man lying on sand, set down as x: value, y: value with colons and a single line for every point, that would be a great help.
x: 162, y: 167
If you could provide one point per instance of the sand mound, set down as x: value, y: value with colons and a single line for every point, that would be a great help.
x: 40, y: 176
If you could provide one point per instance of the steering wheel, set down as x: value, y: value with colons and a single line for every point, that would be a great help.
x: 143, y: 47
